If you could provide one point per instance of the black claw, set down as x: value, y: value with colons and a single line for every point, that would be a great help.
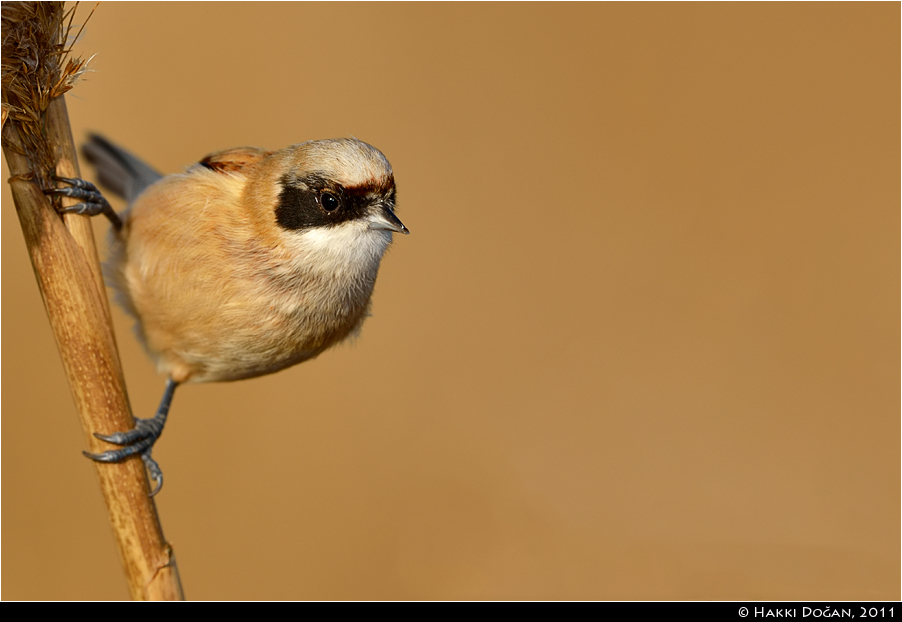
x: 93, y: 202
x: 140, y: 440
x: 78, y: 183
x: 121, y: 438
x: 118, y: 455
x: 86, y: 209
x: 154, y: 470
x: 144, y: 429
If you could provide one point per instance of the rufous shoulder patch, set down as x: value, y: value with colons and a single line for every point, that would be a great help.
x: 233, y: 160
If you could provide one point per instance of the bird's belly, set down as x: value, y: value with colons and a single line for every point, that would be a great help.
x: 240, y: 342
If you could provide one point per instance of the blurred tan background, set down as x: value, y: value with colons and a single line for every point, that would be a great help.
x: 643, y: 342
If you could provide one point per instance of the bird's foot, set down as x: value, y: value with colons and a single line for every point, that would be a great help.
x: 92, y: 201
x: 140, y: 440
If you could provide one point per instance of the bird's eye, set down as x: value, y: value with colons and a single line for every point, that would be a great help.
x: 329, y: 202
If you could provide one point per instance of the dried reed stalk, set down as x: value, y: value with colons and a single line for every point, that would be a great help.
x: 37, y: 143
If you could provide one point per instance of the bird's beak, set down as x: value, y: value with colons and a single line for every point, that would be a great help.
x: 384, y: 218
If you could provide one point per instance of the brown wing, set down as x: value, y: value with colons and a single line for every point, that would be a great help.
x: 233, y: 160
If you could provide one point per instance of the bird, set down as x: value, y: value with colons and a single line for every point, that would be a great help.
x: 247, y: 262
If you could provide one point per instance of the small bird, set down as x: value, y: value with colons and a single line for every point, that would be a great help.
x: 248, y: 262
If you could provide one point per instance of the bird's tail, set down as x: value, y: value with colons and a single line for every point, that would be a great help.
x: 118, y: 170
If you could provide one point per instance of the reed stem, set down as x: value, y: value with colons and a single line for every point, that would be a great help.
x: 37, y: 144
